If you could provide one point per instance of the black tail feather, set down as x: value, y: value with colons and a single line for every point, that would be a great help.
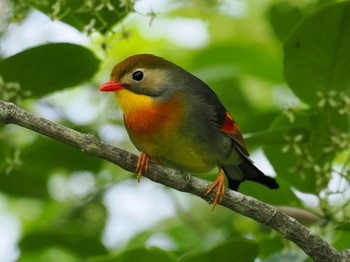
x: 246, y: 170
x: 233, y: 184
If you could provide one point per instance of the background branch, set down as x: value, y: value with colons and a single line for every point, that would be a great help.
x: 312, y: 244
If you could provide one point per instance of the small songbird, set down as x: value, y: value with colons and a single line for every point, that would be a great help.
x: 175, y: 119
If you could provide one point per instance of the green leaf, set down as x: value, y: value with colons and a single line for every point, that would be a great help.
x: 235, y: 60
x: 256, y: 121
x: 277, y: 136
x: 283, y: 17
x: 238, y: 249
x: 289, y: 165
x: 80, y: 13
x: 38, y: 161
x: 4, y: 152
x: 269, y: 245
x: 317, y: 57
x: 139, y: 255
x: 295, y: 161
x: 51, y: 254
x: 281, y: 196
x: 84, y: 245
x: 24, y: 184
x: 51, y: 67
x: 344, y: 227
x: 287, y: 256
x: 341, y: 240
x: 60, y: 156
x: 78, y: 231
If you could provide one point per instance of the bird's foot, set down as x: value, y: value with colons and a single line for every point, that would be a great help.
x: 219, y: 186
x: 142, y: 165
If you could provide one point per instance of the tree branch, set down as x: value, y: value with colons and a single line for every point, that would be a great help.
x: 288, y: 227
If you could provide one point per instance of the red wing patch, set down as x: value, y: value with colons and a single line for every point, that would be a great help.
x: 230, y: 127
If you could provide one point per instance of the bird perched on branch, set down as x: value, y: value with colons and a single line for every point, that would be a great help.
x: 174, y: 118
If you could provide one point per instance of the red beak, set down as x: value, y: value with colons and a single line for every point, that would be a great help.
x: 111, y: 86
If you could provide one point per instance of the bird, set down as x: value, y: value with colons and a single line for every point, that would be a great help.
x: 175, y: 119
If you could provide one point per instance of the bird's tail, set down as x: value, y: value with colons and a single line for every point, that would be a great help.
x: 246, y: 170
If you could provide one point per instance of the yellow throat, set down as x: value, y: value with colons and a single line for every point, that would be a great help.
x: 130, y: 102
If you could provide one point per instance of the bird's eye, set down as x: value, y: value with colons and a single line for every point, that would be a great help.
x: 138, y: 75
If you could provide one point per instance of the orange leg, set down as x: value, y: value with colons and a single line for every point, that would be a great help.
x: 219, y: 186
x: 142, y: 165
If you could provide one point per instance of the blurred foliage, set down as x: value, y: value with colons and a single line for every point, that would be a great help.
x: 83, y: 15
x: 280, y: 68
x: 42, y: 70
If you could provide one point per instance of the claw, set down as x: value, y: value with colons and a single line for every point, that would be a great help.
x: 142, y: 165
x: 219, y: 186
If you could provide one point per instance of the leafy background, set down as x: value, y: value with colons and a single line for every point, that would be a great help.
x: 280, y: 67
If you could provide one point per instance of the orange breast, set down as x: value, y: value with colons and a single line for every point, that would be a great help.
x: 155, y: 128
x: 157, y: 119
